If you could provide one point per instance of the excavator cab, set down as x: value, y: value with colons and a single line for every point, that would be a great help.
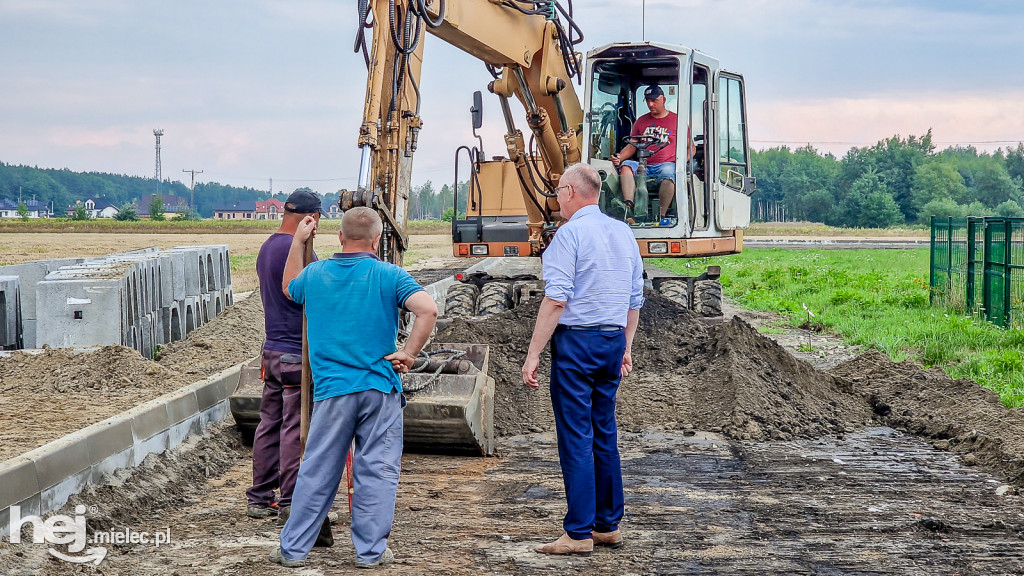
x: 708, y: 194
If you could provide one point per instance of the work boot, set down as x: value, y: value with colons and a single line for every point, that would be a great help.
x: 278, y: 558
x: 325, y: 539
x: 286, y: 511
x: 386, y: 558
x: 611, y: 539
x: 258, y: 511
x: 565, y: 545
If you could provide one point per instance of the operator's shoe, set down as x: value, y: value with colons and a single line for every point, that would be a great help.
x: 278, y: 558
x: 258, y: 511
x: 666, y: 222
x: 565, y: 545
x: 386, y: 558
x: 611, y: 539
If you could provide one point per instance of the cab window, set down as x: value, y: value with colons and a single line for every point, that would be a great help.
x: 732, y: 138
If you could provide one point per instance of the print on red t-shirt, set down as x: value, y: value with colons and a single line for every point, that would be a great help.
x: 648, y: 125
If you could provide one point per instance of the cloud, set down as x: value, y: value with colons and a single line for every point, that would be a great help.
x: 987, y: 121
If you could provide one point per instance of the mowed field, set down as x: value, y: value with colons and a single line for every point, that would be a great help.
x: 20, y: 247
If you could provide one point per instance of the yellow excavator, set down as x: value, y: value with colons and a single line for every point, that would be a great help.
x: 509, y: 209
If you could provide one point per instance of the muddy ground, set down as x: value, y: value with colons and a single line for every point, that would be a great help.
x: 738, y: 459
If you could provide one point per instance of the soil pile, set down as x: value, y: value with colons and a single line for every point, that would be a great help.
x: 236, y: 335
x: 958, y: 415
x: 722, y: 377
x: 754, y: 389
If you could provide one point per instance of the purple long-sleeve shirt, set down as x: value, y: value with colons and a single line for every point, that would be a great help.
x: 282, y: 317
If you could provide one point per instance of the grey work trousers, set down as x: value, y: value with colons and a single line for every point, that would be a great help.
x: 374, y: 420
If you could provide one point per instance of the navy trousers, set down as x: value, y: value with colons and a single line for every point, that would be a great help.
x: 585, y: 373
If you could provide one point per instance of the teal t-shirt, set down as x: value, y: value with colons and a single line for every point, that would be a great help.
x: 352, y: 302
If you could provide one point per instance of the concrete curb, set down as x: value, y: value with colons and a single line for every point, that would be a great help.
x: 43, y: 479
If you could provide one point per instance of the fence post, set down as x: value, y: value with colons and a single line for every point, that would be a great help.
x: 931, y: 265
x: 970, y: 265
x: 1007, y: 271
x: 949, y: 257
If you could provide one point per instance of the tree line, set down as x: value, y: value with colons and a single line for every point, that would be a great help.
x: 896, y: 181
x: 63, y: 188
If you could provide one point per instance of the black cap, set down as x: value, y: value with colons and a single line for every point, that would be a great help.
x: 652, y: 92
x: 303, y: 202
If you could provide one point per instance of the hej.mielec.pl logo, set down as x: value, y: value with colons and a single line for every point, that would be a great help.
x: 60, y: 529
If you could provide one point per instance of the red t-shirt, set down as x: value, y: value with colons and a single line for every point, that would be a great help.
x: 648, y: 125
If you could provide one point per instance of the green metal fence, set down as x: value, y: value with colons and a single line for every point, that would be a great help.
x: 977, y: 265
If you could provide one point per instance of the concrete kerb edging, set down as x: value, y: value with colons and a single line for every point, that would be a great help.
x: 43, y: 479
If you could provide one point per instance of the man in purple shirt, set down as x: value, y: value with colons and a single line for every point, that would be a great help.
x: 275, y: 448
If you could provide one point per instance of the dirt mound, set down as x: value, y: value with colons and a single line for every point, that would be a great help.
x: 68, y: 391
x: 235, y: 335
x: 63, y: 371
x: 689, y: 373
x: 958, y: 415
x: 754, y: 389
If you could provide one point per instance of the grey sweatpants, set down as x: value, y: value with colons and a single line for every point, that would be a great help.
x: 374, y: 420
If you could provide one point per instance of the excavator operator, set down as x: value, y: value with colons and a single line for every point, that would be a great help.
x: 661, y: 167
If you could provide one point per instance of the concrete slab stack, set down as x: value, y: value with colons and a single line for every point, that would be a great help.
x: 29, y: 274
x: 10, y: 313
x: 141, y: 299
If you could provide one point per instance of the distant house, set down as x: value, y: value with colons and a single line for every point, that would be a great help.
x: 96, y: 207
x: 236, y: 211
x: 174, y: 206
x: 272, y: 209
x: 36, y: 209
x: 333, y: 211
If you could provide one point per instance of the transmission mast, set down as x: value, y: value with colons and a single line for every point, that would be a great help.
x: 159, y: 175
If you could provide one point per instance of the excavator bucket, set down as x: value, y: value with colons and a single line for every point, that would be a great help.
x: 451, y: 404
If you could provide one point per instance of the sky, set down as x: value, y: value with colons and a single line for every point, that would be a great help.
x: 254, y: 90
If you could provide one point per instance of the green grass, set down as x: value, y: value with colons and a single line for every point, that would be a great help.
x: 875, y: 299
x: 819, y: 229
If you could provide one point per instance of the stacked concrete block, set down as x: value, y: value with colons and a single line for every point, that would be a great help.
x: 29, y: 274
x: 141, y: 299
x: 10, y: 313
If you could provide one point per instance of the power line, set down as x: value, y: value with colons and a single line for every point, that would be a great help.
x: 192, y: 189
x: 871, y: 143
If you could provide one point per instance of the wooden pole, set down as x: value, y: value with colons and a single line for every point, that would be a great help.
x: 307, y: 372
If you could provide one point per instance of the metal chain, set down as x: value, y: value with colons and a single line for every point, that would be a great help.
x: 456, y: 354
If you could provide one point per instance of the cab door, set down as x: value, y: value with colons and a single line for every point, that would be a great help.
x: 734, y: 184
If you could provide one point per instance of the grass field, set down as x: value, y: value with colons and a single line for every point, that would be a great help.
x: 876, y: 299
x: 816, y: 229
x: 107, y: 226
x: 16, y: 248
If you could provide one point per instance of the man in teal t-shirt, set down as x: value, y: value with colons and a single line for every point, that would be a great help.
x: 352, y: 303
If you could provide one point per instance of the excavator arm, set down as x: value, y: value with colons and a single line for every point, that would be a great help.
x: 528, y: 47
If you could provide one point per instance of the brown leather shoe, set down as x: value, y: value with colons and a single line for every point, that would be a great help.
x: 609, y: 539
x: 567, y: 546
